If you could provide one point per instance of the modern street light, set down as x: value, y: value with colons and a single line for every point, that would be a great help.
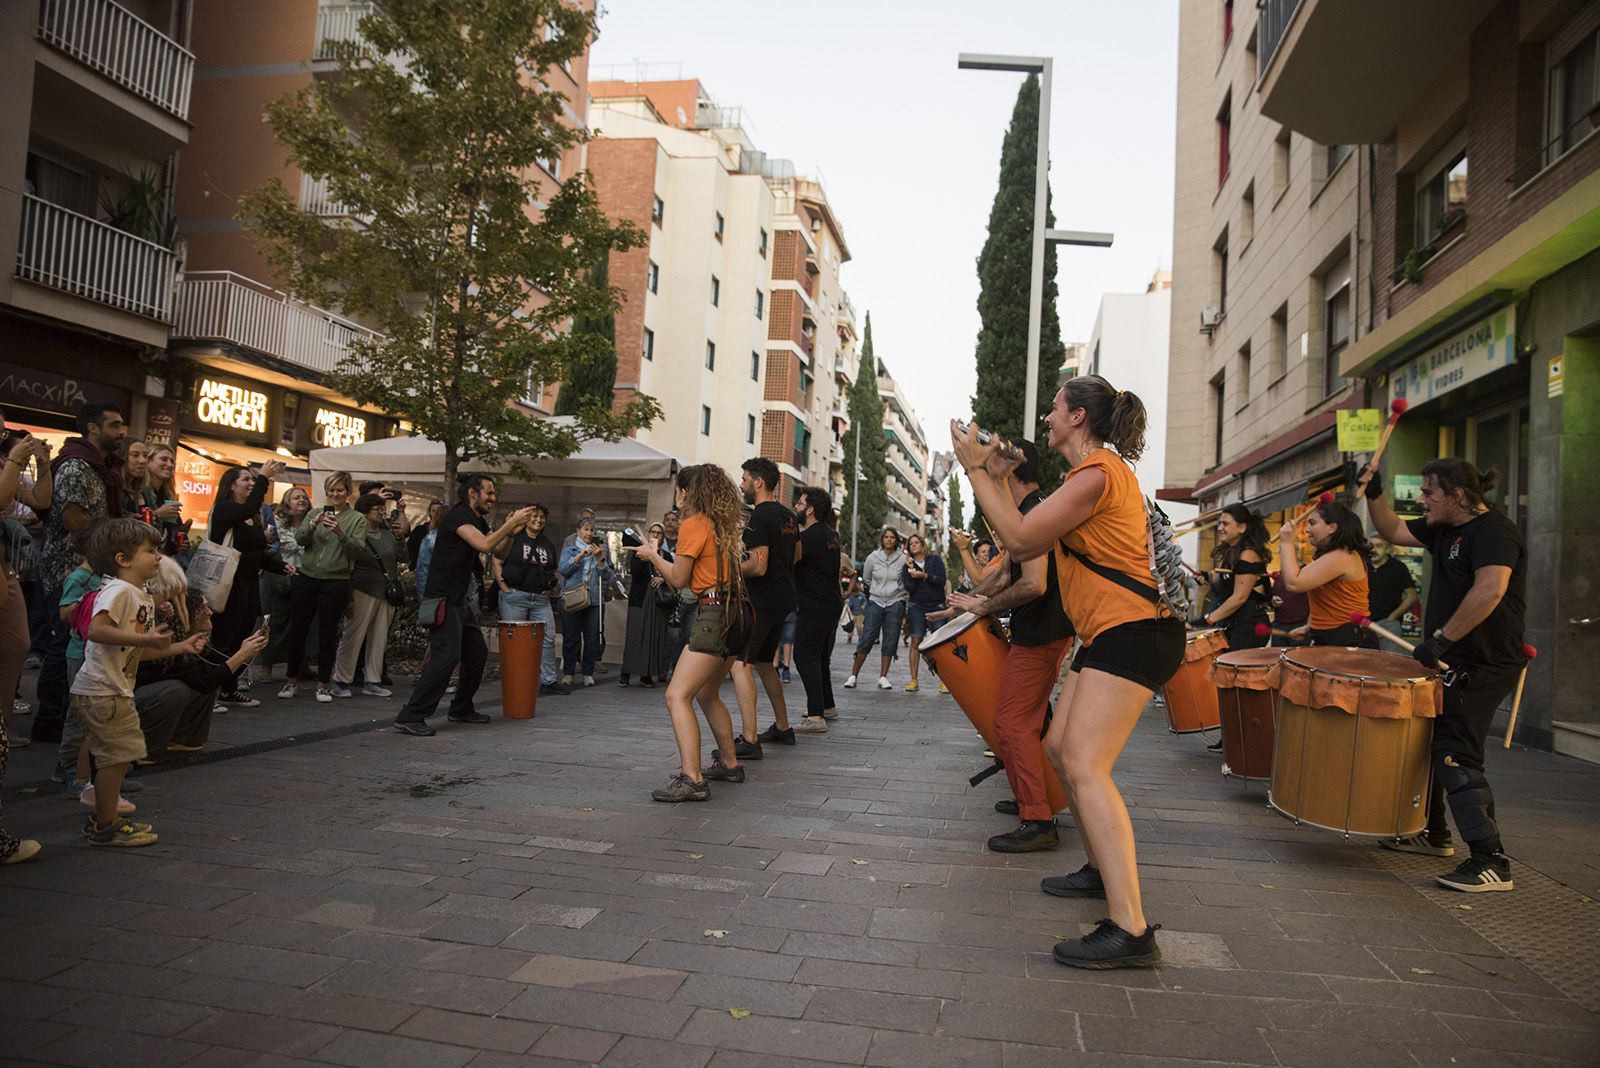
x: 1040, y: 65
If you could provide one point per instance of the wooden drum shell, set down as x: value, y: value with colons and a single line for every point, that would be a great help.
x: 1189, y: 696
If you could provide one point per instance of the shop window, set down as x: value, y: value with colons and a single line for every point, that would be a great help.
x: 1441, y: 197
x: 1572, y: 101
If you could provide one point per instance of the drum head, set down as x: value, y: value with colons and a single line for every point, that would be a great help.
x: 1357, y: 663
x: 1251, y: 657
x: 950, y: 630
x: 1362, y: 682
x: 1204, y: 644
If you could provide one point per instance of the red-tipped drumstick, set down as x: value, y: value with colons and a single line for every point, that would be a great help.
x: 1397, y: 408
x: 1294, y: 524
x: 1528, y: 653
x: 1361, y: 619
x: 1264, y: 631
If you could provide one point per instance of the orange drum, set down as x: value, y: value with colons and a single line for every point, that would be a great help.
x: 1247, y: 698
x: 521, y: 652
x: 1190, y: 698
x: 969, y: 654
x: 1354, y: 727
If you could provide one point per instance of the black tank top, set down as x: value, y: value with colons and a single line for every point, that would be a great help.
x: 1042, y: 620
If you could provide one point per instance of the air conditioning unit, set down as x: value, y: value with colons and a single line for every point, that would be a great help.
x: 1210, y: 318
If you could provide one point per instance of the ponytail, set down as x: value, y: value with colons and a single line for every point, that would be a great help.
x: 1453, y: 473
x: 1116, y: 416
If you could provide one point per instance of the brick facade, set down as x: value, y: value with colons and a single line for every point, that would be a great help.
x: 624, y: 174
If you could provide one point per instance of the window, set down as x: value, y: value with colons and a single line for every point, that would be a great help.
x: 749, y: 430
x: 705, y: 421
x: 552, y: 165
x: 658, y: 211
x: 1247, y: 215
x: 761, y: 304
x: 1219, y: 273
x: 1279, y: 344
x: 1242, y: 374
x: 762, y: 246
x: 1218, y: 415
x: 1573, y: 82
x: 755, y: 367
x: 1280, y: 162
x: 1337, y: 154
x: 716, y: 291
x: 649, y: 344
x: 653, y: 279
x: 720, y: 224
x: 1224, y: 136
x: 1441, y: 197
x: 1335, y: 323
x: 1227, y: 23
x: 711, y: 355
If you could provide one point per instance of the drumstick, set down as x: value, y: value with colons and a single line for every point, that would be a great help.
x: 1264, y: 631
x: 1528, y: 653
x: 1397, y: 408
x: 1362, y: 620
x: 1294, y: 524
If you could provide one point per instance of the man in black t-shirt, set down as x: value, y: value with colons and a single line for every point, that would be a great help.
x: 1041, y: 634
x: 462, y: 539
x: 1473, y: 622
x: 816, y: 587
x: 769, y: 541
x: 1391, y: 591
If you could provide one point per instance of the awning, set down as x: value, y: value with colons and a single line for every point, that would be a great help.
x: 229, y: 452
x: 1299, y: 492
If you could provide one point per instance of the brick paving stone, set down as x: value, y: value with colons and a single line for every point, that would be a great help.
x: 1055, y: 994
x: 760, y: 996
x: 379, y: 946
x: 393, y: 982
x: 259, y: 963
x: 344, y: 1010
x: 1517, y: 1037
x: 719, y: 960
x: 837, y: 1043
x: 486, y: 961
x: 893, y: 1011
x: 472, y: 930
x: 36, y: 1001
x: 635, y: 1052
x: 94, y: 1047
x: 575, y: 1044
x: 801, y: 863
x: 146, y: 1016
x: 361, y: 1049
x: 898, y: 1049
x: 791, y: 915
x: 476, y: 1032
x: 576, y: 973
x: 613, y: 1012
x: 863, y: 950
x: 920, y: 982
x: 1309, y: 1049
x: 1009, y: 1023
x: 266, y: 1034
x: 220, y: 992
x: 1199, y: 1039
x: 19, y: 1034
x: 136, y: 980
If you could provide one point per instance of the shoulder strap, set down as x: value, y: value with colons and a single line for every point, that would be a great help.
x: 1126, y: 581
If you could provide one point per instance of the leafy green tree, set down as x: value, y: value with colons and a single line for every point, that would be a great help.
x: 457, y: 251
x: 952, y: 557
x: 594, y: 375
x: 1004, y: 274
x: 871, y: 491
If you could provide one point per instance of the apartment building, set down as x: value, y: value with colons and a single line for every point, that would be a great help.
x: 1075, y: 362
x: 908, y: 461
x: 1480, y: 297
x: 94, y: 101
x: 1266, y: 291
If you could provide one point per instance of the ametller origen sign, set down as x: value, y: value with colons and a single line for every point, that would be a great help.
x: 231, y: 406
x: 335, y: 430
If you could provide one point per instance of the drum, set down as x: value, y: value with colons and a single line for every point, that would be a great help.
x: 1247, y: 699
x: 521, y: 652
x: 969, y: 654
x: 1190, y: 698
x: 1351, y: 753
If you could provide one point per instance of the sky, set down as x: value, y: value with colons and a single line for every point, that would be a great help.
x: 866, y: 95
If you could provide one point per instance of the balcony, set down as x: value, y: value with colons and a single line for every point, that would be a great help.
x: 316, y: 199
x: 108, y: 38
x: 1346, y: 73
x: 221, y: 306
x: 336, y: 24
x: 90, y: 259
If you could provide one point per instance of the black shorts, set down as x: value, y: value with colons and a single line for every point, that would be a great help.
x: 1146, y: 651
x: 1349, y: 635
x: 764, y: 638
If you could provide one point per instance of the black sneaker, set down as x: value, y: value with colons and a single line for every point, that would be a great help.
x: 1420, y: 843
x: 682, y: 788
x: 1029, y: 837
x: 468, y: 717
x: 1214, y: 747
x: 416, y: 730
x: 1007, y: 806
x: 746, y: 750
x: 775, y: 736
x: 554, y: 689
x: 1479, y: 875
x: 1109, y: 946
x: 1085, y: 882
x: 721, y: 772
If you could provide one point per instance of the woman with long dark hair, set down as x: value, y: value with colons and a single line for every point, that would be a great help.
x: 288, y: 513
x: 1239, y: 577
x: 644, y: 651
x: 1336, y: 579
x: 710, y: 546
x: 1132, y: 643
x: 237, y: 511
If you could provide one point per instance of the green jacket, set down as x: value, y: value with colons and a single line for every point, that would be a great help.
x: 326, y: 555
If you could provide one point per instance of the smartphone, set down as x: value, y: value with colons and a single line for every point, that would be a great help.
x: 328, y: 509
x: 266, y: 628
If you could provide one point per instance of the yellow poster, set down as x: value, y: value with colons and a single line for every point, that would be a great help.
x: 1359, y: 429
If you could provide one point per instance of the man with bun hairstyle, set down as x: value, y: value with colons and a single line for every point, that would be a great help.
x: 1473, y: 622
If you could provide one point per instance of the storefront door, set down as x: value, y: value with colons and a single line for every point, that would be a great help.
x: 1497, y: 439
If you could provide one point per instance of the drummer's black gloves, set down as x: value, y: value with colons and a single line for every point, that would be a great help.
x: 1430, y: 651
x: 1375, y: 485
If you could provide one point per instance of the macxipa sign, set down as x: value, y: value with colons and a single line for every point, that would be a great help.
x: 232, y: 407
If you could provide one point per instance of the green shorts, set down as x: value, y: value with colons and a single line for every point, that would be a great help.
x: 707, y: 636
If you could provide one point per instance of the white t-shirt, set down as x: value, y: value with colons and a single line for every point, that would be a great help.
x: 112, y: 670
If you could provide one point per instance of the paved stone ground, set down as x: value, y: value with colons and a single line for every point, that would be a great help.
x: 508, y: 894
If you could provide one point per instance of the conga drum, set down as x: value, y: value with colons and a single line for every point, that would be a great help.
x: 969, y: 654
x: 1247, y: 700
x: 1190, y: 698
x: 1351, y: 751
x: 521, y: 653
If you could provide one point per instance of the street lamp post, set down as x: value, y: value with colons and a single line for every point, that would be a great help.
x: 1040, y: 65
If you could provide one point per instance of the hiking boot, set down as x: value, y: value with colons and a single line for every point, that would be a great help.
x: 1085, y: 882
x: 682, y: 788
x: 812, y: 725
x: 1029, y: 837
x: 721, y: 772
x: 1419, y: 843
x: 1479, y: 875
x: 1007, y: 806
x: 468, y: 717
x: 1109, y: 946
x: 416, y: 730
x: 747, y: 750
x: 120, y: 833
x: 775, y: 736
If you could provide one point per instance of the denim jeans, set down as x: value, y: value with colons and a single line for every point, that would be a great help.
x: 581, y: 641
x: 885, y: 619
x: 517, y: 606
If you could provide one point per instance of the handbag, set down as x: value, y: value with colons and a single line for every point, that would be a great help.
x: 576, y: 599
x: 430, y: 613
x: 211, y: 570
x: 394, y: 591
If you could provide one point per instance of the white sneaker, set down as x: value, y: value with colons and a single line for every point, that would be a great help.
x: 812, y: 725
x: 289, y: 691
x: 850, y: 683
x: 372, y: 689
x: 566, y: 680
x: 19, y: 707
x: 324, y: 696
x: 884, y: 683
x: 588, y: 680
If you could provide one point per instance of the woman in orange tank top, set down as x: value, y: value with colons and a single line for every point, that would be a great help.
x: 1131, y: 645
x: 1335, y: 582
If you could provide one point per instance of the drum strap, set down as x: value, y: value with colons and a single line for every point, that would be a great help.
x: 992, y: 769
x: 1111, y: 574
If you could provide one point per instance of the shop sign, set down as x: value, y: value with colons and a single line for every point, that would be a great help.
x: 335, y: 429
x: 1556, y: 375
x: 1359, y: 429
x: 161, y: 423
x: 43, y: 391
x: 1482, y: 348
x: 230, y: 407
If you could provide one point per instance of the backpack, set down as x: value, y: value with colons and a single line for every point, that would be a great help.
x: 1165, y: 560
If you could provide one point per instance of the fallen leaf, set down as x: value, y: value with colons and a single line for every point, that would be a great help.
x: 697, y: 856
x: 586, y: 810
x: 1464, y: 908
x: 464, y: 860
x: 1266, y: 886
x: 234, y: 838
x: 1423, y: 971
x: 716, y: 934
x: 28, y: 790
x: 905, y: 886
x: 858, y: 862
x: 738, y: 1014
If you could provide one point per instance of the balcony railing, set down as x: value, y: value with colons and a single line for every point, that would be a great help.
x: 90, y: 259
x: 223, y: 306
x: 337, y: 23
x: 317, y: 199
x: 107, y: 37
x: 1273, y: 19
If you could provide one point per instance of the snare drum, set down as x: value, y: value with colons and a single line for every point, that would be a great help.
x: 969, y: 654
x: 1351, y: 754
x: 1190, y: 698
x: 1247, y: 698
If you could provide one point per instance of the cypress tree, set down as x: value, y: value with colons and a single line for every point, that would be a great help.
x: 1004, y: 271
x: 952, y: 557
x: 594, y: 374
x: 866, y: 420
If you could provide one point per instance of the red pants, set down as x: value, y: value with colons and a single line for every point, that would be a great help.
x: 1030, y: 674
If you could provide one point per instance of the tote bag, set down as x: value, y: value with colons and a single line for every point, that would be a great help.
x: 211, y: 570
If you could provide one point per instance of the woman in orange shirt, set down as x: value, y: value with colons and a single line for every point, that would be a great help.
x: 1335, y: 581
x: 707, y: 561
x: 1131, y: 643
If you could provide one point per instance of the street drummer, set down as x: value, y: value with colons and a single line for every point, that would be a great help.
x: 1473, y: 622
x: 1132, y: 643
x: 1040, y: 638
x: 1335, y: 581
